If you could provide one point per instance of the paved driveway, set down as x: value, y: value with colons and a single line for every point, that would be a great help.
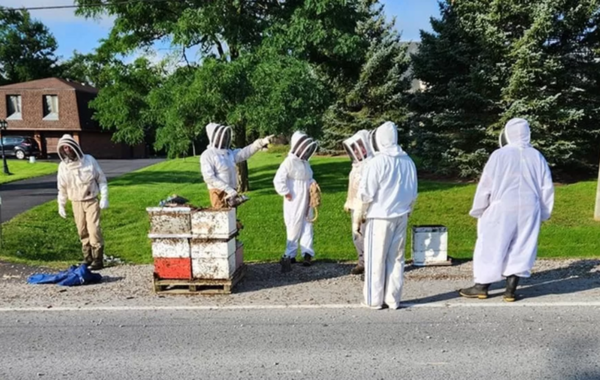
x: 20, y: 196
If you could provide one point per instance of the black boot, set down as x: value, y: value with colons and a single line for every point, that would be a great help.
x: 98, y: 255
x: 476, y: 291
x: 286, y: 265
x: 511, y: 288
x: 87, y: 255
x: 307, y: 260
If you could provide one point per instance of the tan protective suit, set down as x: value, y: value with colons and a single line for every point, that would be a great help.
x: 80, y: 180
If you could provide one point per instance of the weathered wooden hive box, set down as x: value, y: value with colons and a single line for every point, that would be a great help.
x: 213, y: 224
x: 170, y: 221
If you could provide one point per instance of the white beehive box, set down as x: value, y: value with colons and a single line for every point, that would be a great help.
x: 214, y: 224
x: 169, y: 222
x: 430, y: 245
x: 213, y: 259
x: 171, y: 248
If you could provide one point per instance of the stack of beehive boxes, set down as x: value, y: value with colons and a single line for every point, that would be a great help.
x: 194, y: 244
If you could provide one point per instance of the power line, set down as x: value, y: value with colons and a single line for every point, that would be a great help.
x: 72, y: 6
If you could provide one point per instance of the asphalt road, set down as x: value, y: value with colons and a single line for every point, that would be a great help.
x: 503, y: 342
x: 20, y: 196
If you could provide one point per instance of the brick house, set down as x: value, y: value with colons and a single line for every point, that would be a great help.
x: 46, y: 109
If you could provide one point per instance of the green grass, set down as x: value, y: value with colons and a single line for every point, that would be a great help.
x: 41, y: 236
x: 23, y: 170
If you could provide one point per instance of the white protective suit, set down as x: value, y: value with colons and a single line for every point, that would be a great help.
x: 294, y: 177
x: 217, y: 162
x: 388, y: 190
x: 80, y: 179
x: 359, y: 150
x: 515, y: 194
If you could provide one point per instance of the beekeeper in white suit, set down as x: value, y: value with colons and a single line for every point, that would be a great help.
x: 388, y: 190
x: 217, y: 163
x: 292, y: 181
x: 80, y: 179
x: 515, y: 195
x: 359, y: 150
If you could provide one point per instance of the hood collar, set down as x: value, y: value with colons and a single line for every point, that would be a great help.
x: 385, y: 140
x: 516, y: 133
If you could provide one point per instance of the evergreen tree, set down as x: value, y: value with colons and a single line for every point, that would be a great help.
x: 489, y: 61
x: 378, y: 93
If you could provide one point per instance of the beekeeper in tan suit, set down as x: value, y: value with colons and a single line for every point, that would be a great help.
x: 80, y: 179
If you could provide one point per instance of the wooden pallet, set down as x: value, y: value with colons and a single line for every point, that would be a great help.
x: 199, y: 286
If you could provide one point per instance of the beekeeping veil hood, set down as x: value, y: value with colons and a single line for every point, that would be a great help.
x: 385, y: 140
x: 358, y: 146
x: 303, y: 146
x: 516, y: 133
x: 75, y: 153
x: 219, y: 136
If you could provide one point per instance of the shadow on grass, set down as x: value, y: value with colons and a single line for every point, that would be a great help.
x: 572, y: 279
x: 333, y: 178
x: 152, y: 177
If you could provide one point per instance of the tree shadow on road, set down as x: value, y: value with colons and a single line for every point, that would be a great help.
x: 260, y: 276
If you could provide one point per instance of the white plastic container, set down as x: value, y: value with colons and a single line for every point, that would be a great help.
x: 32, y: 159
x: 430, y: 245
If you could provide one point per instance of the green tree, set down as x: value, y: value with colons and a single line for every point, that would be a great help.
x: 266, y: 33
x: 85, y: 68
x: 27, y: 50
x: 379, y: 92
x: 488, y: 61
x: 122, y: 105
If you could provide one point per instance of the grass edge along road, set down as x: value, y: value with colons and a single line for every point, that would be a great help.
x: 40, y: 236
x: 21, y: 169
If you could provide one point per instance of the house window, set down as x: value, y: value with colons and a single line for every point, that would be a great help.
x: 50, y: 107
x: 13, y: 107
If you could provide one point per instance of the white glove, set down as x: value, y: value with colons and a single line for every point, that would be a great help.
x: 62, y: 212
x: 103, y: 203
x: 356, y: 223
x: 266, y: 141
x: 230, y: 193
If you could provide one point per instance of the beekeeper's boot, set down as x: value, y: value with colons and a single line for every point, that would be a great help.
x: 87, y: 255
x: 511, y: 288
x: 286, y: 264
x: 476, y: 291
x: 98, y: 255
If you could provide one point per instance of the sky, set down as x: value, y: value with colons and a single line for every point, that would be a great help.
x: 76, y: 33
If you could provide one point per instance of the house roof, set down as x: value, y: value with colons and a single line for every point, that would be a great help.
x: 50, y: 84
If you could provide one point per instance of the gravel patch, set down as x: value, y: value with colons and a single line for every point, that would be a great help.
x: 264, y: 284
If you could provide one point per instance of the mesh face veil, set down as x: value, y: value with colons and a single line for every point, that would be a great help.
x: 221, y: 138
x: 503, y: 139
x: 357, y: 148
x: 304, y: 148
x: 373, y: 141
x: 69, y: 149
